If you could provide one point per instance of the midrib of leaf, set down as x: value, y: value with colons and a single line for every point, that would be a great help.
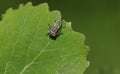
x: 29, y: 47
x: 40, y: 53
x: 36, y: 32
x: 57, y: 58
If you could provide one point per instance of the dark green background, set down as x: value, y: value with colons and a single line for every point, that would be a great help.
x: 98, y: 20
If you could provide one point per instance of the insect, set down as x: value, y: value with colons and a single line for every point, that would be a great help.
x: 55, y: 30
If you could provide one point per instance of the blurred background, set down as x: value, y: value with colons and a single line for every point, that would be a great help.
x: 98, y: 20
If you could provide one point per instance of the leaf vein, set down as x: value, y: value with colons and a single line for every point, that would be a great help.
x: 32, y: 62
x: 13, y: 48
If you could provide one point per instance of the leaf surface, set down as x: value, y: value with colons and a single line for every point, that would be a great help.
x: 26, y: 49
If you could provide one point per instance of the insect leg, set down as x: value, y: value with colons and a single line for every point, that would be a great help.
x: 55, y: 20
x: 63, y: 27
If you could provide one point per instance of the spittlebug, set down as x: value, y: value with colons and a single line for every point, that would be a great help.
x: 55, y: 30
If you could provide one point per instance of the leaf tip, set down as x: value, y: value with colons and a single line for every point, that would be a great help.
x: 88, y: 64
x: 68, y: 24
x: 57, y: 11
x: 29, y: 3
x: 9, y: 9
x: 2, y: 15
x: 87, y: 47
x: 44, y: 4
x: 21, y: 5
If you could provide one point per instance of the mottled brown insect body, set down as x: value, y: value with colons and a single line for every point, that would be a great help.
x: 55, y: 30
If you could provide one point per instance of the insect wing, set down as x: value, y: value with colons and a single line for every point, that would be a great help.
x: 56, y: 28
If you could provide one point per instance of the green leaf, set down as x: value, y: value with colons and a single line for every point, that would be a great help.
x: 26, y: 49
